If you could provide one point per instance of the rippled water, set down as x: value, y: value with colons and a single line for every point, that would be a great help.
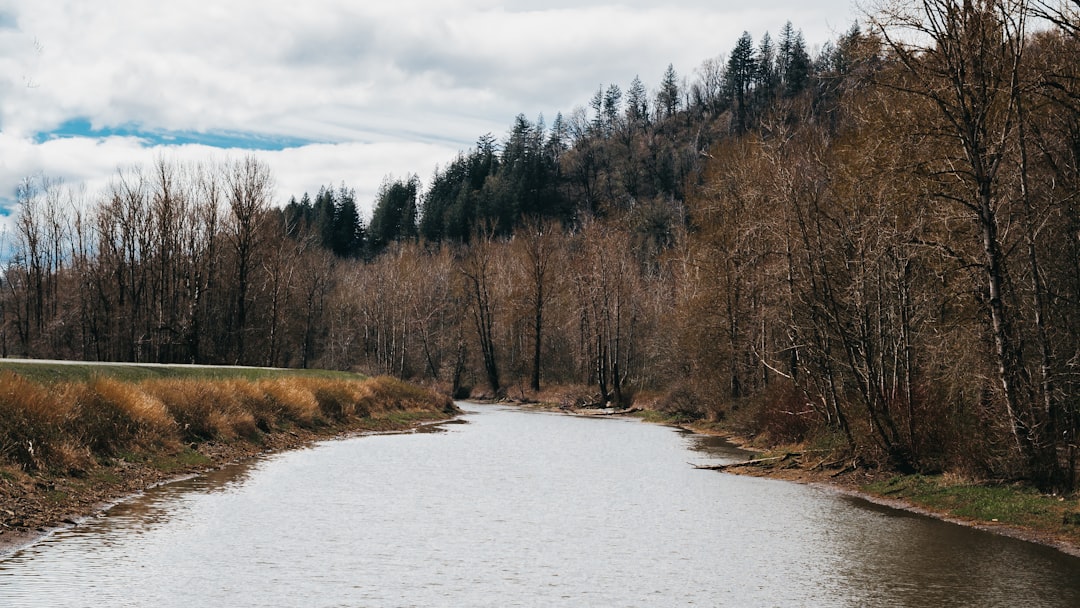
x: 521, y: 509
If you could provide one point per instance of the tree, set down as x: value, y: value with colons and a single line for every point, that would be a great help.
x: 395, y: 212
x: 348, y: 229
x: 969, y: 74
x: 741, y: 71
x: 539, y: 251
x: 477, y: 267
x: 794, y: 65
x: 668, y: 98
x: 249, y: 186
x: 637, y: 104
x: 766, y: 74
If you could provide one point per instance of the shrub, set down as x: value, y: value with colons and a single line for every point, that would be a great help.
x: 782, y: 415
x: 682, y: 403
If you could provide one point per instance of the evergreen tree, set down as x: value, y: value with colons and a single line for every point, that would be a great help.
x: 394, y: 217
x: 637, y: 104
x: 323, y: 217
x: 348, y: 230
x: 766, y: 75
x: 667, y: 98
x: 741, y: 70
x: 794, y: 61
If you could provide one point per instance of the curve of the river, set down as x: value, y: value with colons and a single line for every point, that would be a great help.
x: 516, y: 508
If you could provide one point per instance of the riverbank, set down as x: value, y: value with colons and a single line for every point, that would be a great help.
x: 72, y: 449
x: 1013, y: 510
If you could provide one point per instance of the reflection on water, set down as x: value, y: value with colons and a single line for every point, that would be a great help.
x: 522, y: 509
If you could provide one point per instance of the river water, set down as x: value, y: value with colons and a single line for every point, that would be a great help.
x: 516, y: 508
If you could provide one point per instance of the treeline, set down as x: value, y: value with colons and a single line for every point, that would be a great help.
x: 874, y: 248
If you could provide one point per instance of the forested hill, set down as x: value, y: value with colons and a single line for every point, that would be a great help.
x: 628, y: 151
x: 873, y: 249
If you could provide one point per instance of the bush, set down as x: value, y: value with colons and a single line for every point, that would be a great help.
x: 682, y: 404
x: 782, y: 415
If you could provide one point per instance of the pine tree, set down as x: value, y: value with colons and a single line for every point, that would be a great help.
x: 741, y: 71
x: 667, y: 98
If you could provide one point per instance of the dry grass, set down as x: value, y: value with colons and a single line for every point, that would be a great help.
x: 111, y: 417
x: 32, y: 423
x: 293, y: 403
x: 60, y: 426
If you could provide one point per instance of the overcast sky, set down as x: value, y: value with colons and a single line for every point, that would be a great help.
x: 331, y: 91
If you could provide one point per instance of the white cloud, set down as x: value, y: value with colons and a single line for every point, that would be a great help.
x: 94, y: 162
x: 382, y: 86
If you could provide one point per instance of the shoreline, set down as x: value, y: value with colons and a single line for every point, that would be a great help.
x: 852, y: 483
x: 88, y: 500
x: 847, y: 482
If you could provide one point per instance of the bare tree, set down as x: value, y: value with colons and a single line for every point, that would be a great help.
x: 249, y: 190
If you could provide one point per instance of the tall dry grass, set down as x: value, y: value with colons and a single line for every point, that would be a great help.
x: 32, y: 423
x: 111, y: 417
x: 67, y: 424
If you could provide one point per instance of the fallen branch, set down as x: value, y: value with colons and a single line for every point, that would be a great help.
x: 745, y: 463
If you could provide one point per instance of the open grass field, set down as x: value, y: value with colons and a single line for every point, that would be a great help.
x: 49, y: 371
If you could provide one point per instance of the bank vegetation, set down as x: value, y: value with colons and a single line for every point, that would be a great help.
x: 66, y: 446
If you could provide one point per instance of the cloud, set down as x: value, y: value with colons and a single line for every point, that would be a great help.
x: 94, y: 162
x: 348, y: 90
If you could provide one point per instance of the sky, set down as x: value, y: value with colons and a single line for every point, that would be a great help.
x: 331, y: 91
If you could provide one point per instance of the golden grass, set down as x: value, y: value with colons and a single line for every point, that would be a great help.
x: 32, y: 422
x: 293, y: 403
x: 111, y: 416
x: 60, y: 425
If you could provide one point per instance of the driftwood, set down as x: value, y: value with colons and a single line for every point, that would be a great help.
x: 599, y: 411
x: 745, y: 463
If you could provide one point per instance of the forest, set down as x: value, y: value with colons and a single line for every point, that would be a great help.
x: 875, y: 247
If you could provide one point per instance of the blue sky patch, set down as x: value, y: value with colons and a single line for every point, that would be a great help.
x: 81, y: 127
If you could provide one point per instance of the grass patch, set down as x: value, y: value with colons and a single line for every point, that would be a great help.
x: 56, y: 496
x: 49, y: 372
x: 103, y: 476
x: 183, y: 461
x: 394, y: 421
x: 1008, y: 504
x: 657, y: 417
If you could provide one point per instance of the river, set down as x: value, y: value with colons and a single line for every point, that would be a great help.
x: 516, y: 508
